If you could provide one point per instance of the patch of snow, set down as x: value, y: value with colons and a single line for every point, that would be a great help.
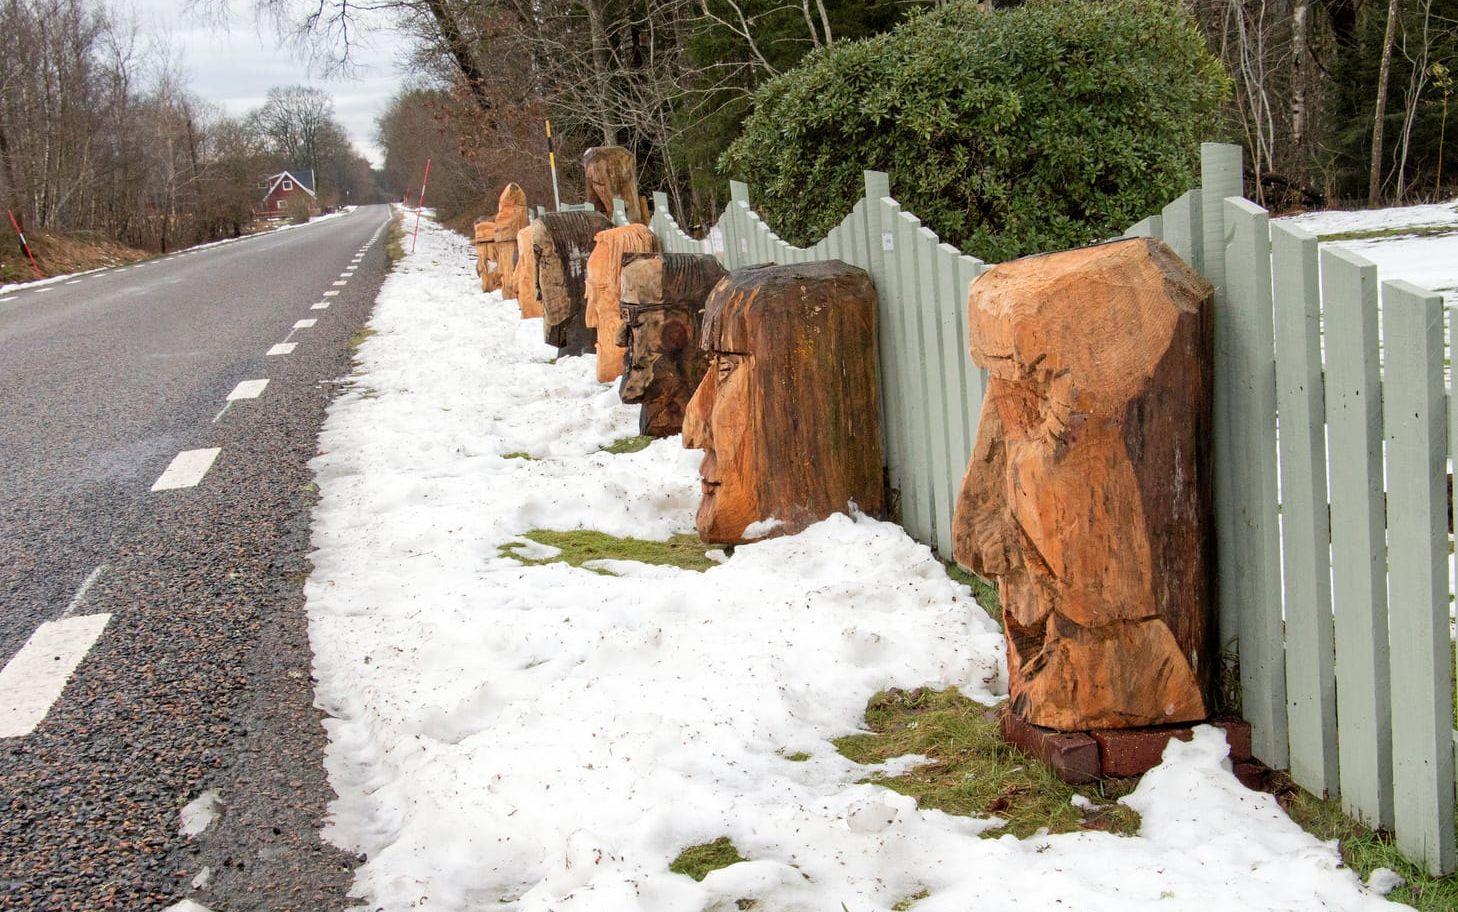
x: 1428, y: 262
x: 534, y: 738
x: 1082, y: 803
x: 1384, y: 880
x: 199, y: 813
x: 1340, y: 221
x: 760, y: 528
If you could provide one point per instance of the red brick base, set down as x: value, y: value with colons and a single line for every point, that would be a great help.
x: 1083, y: 757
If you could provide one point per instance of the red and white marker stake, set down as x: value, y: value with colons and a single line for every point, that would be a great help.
x: 418, y: 204
x: 26, y: 246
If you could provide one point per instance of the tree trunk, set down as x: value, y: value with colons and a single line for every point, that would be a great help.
x: 1374, y: 179
x: 460, y: 52
x: 1299, y: 71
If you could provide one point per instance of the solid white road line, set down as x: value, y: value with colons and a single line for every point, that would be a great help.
x: 304, y: 324
x: 322, y: 305
x: 330, y: 294
x: 248, y: 389
x: 43, y: 290
x: 74, y: 282
x: 187, y: 469
x: 7, y: 298
x: 33, y: 679
x: 283, y: 348
x: 80, y: 595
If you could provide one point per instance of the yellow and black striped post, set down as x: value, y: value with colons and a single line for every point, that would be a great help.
x: 552, y: 161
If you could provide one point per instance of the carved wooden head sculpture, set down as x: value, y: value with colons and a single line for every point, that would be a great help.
x: 663, y: 298
x: 528, y: 296
x: 561, y: 243
x: 486, y: 264
x: 788, y: 415
x: 612, y: 172
x: 511, y: 218
x: 604, y: 268
x: 1087, y: 496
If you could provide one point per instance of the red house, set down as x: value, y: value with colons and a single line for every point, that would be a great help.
x: 284, y: 189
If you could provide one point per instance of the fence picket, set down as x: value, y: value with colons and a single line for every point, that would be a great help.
x: 921, y: 515
x: 1415, y: 426
x: 952, y: 310
x: 1358, y: 539
x: 931, y: 366
x: 1305, y: 525
x: 1182, y: 228
x: 974, y: 378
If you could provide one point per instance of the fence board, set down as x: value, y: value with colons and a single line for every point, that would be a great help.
x: 1415, y: 426
x: 1252, y: 473
x: 1182, y: 228
x: 878, y: 187
x: 1358, y: 540
x: 975, y: 381
x: 1220, y: 178
x: 955, y: 364
x: 931, y: 366
x: 1305, y: 525
x: 920, y: 514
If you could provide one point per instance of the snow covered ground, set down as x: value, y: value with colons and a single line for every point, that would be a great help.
x: 1426, y: 254
x: 533, y: 738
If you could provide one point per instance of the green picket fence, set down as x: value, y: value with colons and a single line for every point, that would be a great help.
x: 1332, y: 536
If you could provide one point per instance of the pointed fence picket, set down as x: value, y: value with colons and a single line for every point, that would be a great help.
x: 1330, y: 472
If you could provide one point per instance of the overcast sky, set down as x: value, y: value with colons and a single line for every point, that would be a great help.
x: 236, y: 66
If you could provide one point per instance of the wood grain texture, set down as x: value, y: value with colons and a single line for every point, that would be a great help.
x: 528, y: 294
x: 663, y: 296
x: 604, y: 269
x: 486, y: 263
x: 788, y: 414
x: 612, y: 172
x: 1087, y: 496
x: 511, y: 218
x: 561, y: 244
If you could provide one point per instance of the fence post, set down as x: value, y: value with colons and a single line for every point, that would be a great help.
x: 1305, y: 523
x: 1358, y: 535
x: 1415, y: 423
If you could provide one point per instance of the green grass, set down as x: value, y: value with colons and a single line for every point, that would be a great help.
x: 1368, y: 234
x: 395, y: 242
x: 1364, y: 850
x: 905, y: 905
x: 518, y: 455
x: 697, y: 861
x: 974, y: 772
x: 582, y: 545
x: 628, y: 445
x: 985, y: 591
x: 797, y: 757
x: 358, y: 339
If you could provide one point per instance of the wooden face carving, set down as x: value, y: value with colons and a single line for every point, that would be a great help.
x: 511, y: 218
x: 487, y: 266
x: 788, y: 415
x: 561, y: 244
x: 1087, y: 493
x: 604, y: 267
x: 662, y: 309
x: 611, y: 172
x: 528, y: 298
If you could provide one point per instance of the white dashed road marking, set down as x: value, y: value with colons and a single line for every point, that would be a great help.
x: 342, y: 282
x: 7, y: 298
x: 283, y: 348
x: 348, y: 273
x: 74, y: 282
x: 187, y: 469
x: 305, y: 324
x: 248, y: 389
x: 322, y: 305
x: 330, y: 294
x: 33, y: 679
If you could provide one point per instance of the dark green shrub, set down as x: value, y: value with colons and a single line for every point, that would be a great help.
x: 1035, y: 128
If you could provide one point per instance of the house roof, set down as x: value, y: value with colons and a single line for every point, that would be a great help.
x: 306, y: 185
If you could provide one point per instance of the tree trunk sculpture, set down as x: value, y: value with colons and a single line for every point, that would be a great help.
x: 528, y: 294
x: 788, y: 415
x: 1088, y: 493
x: 612, y: 172
x: 561, y: 243
x: 604, y: 267
x: 511, y: 218
x: 663, y: 298
x: 486, y: 266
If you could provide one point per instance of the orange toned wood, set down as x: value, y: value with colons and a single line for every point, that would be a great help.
x: 561, y: 244
x: 486, y: 265
x: 612, y: 172
x: 528, y: 296
x: 511, y: 218
x: 663, y: 297
x: 1088, y: 493
x: 604, y: 268
x: 788, y: 415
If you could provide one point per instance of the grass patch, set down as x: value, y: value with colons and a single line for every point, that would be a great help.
x: 905, y: 905
x: 395, y: 242
x: 974, y: 772
x: 628, y: 445
x: 697, y: 861
x: 582, y: 545
x: 797, y: 757
x: 1364, y: 850
x: 519, y: 455
x: 985, y: 592
x: 358, y: 339
x: 1369, y: 234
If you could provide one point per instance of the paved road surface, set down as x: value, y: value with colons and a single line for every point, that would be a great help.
x: 180, y: 606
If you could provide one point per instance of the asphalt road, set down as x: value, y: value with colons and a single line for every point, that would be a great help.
x: 199, y: 679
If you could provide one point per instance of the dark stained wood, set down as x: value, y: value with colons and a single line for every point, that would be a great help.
x: 1088, y: 493
x: 604, y: 268
x: 612, y: 172
x: 511, y: 218
x: 788, y: 415
x: 663, y: 297
x: 561, y: 244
